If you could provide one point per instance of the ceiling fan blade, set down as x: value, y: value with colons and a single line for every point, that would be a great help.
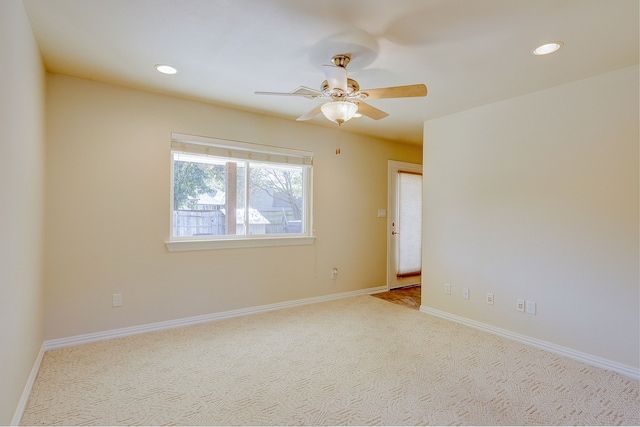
x: 311, y: 114
x: 369, y: 111
x: 336, y: 77
x: 396, y: 92
x: 283, y: 94
x: 301, y: 91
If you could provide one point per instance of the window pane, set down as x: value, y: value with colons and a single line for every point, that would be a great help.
x: 198, y: 184
x: 210, y: 197
x: 276, y: 199
x: 409, y: 224
x: 200, y: 190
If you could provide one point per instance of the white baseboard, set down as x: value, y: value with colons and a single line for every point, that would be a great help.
x: 134, y: 330
x: 599, y: 362
x: 123, y: 332
x: 22, y: 404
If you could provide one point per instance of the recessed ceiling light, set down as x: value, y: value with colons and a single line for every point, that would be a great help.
x: 547, y: 48
x: 166, y: 69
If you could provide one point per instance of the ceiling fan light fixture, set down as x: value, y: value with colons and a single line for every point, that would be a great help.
x: 339, y: 111
x: 547, y: 48
x: 166, y: 69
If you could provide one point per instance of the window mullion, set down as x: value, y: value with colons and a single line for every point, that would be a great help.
x: 231, y: 196
x: 247, y: 166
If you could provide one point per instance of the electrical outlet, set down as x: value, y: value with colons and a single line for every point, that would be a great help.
x: 520, y: 305
x: 116, y: 300
x: 530, y: 307
x: 447, y: 288
x: 489, y: 298
x: 465, y: 293
x: 334, y: 273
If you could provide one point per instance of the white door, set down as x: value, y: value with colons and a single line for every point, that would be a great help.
x: 404, y: 220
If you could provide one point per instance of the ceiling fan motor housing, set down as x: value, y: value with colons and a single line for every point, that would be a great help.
x: 352, y: 87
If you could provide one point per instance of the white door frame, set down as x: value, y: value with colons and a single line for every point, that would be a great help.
x: 393, y: 169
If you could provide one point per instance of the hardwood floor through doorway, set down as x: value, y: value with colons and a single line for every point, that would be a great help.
x: 409, y: 296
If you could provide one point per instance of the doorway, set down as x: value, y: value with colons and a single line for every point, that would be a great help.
x: 404, y: 225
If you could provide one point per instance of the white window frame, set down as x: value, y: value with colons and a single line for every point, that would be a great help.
x: 242, y: 151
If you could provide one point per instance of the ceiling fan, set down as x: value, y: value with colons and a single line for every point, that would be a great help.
x: 346, y: 98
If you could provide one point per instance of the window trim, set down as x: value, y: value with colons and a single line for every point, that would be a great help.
x: 253, y: 152
x: 243, y: 242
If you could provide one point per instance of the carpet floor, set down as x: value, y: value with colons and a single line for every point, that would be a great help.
x: 354, y: 361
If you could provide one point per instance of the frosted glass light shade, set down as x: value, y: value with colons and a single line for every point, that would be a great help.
x: 339, y: 111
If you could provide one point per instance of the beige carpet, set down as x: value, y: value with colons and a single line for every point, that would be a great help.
x: 356, y: 361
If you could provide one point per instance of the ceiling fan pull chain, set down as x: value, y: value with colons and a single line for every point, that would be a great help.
x: 338, y: 141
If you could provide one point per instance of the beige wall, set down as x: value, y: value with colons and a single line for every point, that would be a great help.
x: 21, y: 204
x: 537, y: 198
x: 107, y: 212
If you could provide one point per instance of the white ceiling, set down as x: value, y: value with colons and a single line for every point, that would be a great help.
x: 467, y: 52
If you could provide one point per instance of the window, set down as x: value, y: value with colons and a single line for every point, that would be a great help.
x: 231, y: 194
x: 409, y: 218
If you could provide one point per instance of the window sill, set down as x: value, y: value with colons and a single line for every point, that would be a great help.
x: 198, y: 245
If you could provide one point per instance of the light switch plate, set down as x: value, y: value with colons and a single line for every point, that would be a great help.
x: 530, y: 307
x: 116, y: 300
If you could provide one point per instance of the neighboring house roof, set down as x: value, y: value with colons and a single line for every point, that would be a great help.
x: 255, y: 217
x: 261, y: 203
x: 208, y: 199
